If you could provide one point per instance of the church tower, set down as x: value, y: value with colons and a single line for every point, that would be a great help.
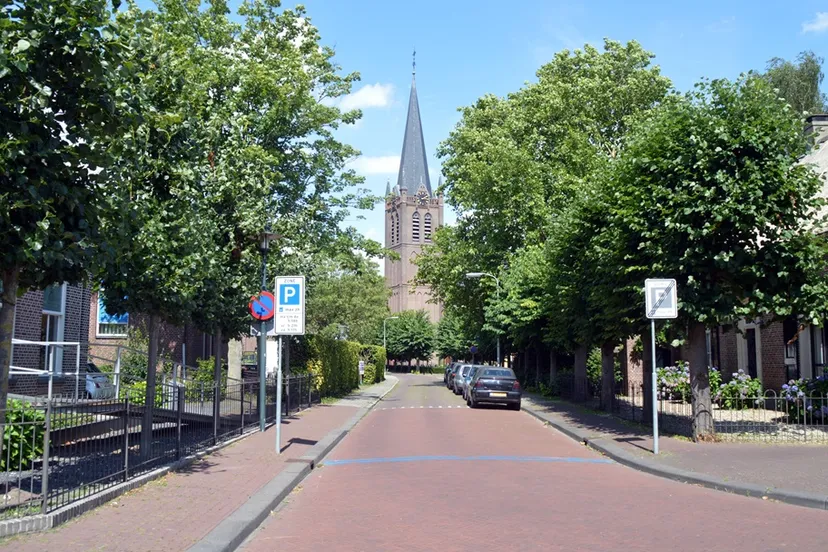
x: 412, y: 213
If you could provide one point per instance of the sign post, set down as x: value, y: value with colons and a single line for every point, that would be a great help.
x: 262, y: 307
x: 290, y: 320
x: 661, y: 302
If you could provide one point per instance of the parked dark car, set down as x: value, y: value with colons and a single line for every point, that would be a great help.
x: 448, y: 369
x: 494, y: 384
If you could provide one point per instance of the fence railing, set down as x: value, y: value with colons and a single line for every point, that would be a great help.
x: 57, y: 452
x: 767, y: 416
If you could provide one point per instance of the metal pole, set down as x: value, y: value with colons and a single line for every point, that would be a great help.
x: 262, y: 347
x: 279, y: 400
x: 498, y: 333
x: 118, y: 372
x: 126, y: 439
x: 655, y: 393
x: 46, y: 437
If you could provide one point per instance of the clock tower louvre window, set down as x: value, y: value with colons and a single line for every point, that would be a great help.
x: 427, y: 227
x: 415, y: 226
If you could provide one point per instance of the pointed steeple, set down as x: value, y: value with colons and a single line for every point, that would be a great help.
x: 387, y: 188
x: 413, y: 163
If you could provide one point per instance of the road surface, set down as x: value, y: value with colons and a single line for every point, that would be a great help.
x: 424, y: 472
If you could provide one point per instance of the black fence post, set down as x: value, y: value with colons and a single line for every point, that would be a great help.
x: 180, y: 401
x: 45, y: 477
x: 126, y: 438
x: 241, y: 405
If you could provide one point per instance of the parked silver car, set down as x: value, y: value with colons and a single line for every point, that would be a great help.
x: 459, y: 377
x: 466, y: 381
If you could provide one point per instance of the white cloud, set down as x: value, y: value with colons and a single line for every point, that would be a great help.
x: 383, y: 164
x: 370, y: 95
x: 819, y: 24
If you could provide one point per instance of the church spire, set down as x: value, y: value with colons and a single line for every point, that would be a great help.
x: 413, y: 163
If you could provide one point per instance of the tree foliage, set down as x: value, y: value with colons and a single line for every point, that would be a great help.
x: 63, y: 93
x: 355, y: 298
x: 410, y: 337
x: 799, y: 82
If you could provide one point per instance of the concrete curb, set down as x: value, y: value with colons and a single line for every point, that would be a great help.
x: 796, y: 498
x: 234, y: 529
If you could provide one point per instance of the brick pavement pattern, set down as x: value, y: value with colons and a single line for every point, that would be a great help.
x: 426, y: 504
x: 174, y: 512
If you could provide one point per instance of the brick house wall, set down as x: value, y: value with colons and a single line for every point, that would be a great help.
x: 170, y: 339
x: 774, y: 372
x: 28, y: 325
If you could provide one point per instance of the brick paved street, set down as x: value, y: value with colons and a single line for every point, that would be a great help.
x: 402, y: 480
x: 172, y: 513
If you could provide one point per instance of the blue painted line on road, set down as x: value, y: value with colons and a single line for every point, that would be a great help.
x: 550, y: 459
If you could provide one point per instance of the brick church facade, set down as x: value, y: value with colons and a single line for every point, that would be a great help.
x: 413, y: 211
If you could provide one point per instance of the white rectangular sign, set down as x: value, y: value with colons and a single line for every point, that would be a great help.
x: 661, y: 298
x: 290, y: 305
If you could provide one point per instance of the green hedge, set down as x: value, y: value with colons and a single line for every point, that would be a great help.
x: 137, y: 393
x: 375, y: 360
x: 335, y: 365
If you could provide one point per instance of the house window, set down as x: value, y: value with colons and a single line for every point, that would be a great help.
x: 52, y: 324
x: 427, y: 227
x: 819, y: 353
x: 415, y: 226
x: 110, y: 325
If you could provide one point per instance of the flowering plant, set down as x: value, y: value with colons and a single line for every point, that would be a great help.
x: 742, y: 391
x: 807, y: 396
x: 674, y: 381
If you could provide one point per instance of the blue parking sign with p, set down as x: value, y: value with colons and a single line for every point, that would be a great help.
x: 289, y: 294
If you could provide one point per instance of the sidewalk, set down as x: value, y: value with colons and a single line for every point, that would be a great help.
x: 174, y: 512
x: 774, y: 470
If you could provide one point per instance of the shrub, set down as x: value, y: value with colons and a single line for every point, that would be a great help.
x: 22, y: 435
x: 674, y: 381
x: 334, y: 364
x: 137, y: 393
x: 203, y: 380
x: 740, y: 392
x: 799, y: 398
x: 594, y: 371
x: 375, y: 360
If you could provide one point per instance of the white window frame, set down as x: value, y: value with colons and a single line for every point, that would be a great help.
x: 98, y: 333
x: 57, y: 358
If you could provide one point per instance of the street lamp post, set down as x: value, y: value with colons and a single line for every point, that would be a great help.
x: 384, y: 346
x: 264, y: 246
x: 480, y: 275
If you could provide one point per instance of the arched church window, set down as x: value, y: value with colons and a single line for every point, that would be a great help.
x: 427, y: 227
x: 415, y: 226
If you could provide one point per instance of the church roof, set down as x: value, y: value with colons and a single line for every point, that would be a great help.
x: 413, y: 163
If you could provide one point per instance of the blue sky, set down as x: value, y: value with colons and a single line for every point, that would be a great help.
x: 468, y: 48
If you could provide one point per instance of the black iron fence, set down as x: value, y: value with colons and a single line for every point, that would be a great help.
x: 761, y: 416
x: 57, y: 452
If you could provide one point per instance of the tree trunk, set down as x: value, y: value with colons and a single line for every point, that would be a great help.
x: 10, y: 283
x: 149, y: 396
x: 553, y: 366
x: 607, y: 375
x: 217, y: 387
x: 647, y: 362
x: 538, y: 350
x: 700, y: 384
x: 579, y: 393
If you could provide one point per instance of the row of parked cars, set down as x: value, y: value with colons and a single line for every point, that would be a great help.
x: 481, y: 384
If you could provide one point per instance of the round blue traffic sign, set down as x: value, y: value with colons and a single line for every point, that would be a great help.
x: 262, y: 306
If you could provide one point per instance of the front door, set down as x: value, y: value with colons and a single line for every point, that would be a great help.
x: 750, y: 337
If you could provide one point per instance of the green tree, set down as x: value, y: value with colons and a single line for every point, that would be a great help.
x: 411, y: 336
x: 356, y: 298
x: 451, y: 338
x: 513, y: 165
x: 799, y: 82
x: 709, y: 191
x: 63, y: 93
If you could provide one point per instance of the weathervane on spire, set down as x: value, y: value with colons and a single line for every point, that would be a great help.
x: 414, y: 62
